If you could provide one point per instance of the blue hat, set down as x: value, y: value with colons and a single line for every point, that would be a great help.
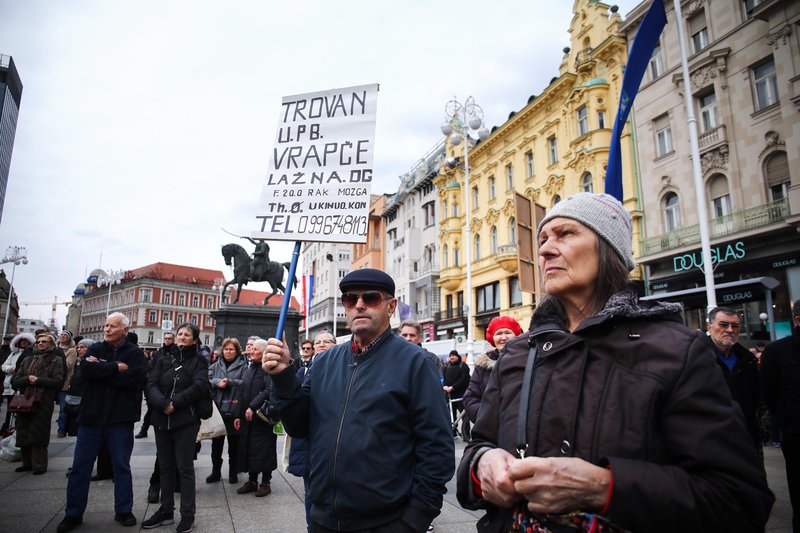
x: 367, y: 278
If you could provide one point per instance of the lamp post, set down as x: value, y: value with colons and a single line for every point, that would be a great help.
x: 114, y: 277
x: 16, y: 255
x: 463, y: 120
x: 329, y: 257
x: 219, y: 285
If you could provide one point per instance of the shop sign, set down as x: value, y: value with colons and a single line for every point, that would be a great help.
x: 719, y: 254
x: 739, y: 296
x: 784, y: 263
x: 659, y: 286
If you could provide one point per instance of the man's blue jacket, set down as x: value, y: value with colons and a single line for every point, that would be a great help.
x: 379, y: 431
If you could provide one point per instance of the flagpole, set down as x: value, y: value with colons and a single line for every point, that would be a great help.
x: 691, y: 121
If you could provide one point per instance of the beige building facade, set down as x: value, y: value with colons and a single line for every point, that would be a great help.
x: 553, y: 147
x: 744, y: 70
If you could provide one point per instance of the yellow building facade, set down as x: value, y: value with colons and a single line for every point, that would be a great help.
x: 553, y: 147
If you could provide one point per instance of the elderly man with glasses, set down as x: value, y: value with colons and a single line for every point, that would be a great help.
x: 375, y: 417
x: 738, y: 366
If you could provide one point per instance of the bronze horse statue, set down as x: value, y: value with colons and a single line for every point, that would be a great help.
x: 272, y: 271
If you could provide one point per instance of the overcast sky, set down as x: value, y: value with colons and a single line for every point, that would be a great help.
x: 145, y: 126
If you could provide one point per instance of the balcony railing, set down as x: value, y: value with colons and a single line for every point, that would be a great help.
x: 747, y: 219
x: 713, y: 137
x: 423, y: 269
x: 448, y: 314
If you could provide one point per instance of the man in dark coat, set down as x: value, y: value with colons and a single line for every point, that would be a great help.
x: 780, y: 379
x: 738, y: 365
x: 114, y: 371
x: 456, y: 381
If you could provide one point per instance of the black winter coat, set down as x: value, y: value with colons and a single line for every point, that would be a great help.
x: 478, y: 383
x: 257, y: 443
x: 456, y: 376
x: 633, y: 389
x: 180, y: 376
x: 111, y: 396
x: 780, y: 378
x: 743, y: 382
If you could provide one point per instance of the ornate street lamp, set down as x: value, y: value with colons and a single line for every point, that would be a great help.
x: 463, y: 121
x: 16, y: 255
x: 113, y: 277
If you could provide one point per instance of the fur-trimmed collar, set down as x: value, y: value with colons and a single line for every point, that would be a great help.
x: 14, y: 345
x: 487, y: 360
x: 624, y: 304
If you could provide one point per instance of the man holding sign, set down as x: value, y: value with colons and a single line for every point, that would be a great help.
x: 373, y: 411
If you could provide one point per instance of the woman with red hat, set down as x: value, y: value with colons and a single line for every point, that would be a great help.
x: 500, y: 330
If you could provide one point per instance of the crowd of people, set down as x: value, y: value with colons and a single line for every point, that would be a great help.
x: 606, y: 414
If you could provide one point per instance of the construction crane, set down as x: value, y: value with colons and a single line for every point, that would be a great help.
x: 53, y: 308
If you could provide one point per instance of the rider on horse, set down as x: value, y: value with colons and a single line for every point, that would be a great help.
x: 260, y: 258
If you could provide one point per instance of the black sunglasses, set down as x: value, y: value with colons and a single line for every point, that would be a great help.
x: 370, y: 298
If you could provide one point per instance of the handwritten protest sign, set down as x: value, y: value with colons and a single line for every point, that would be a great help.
x: 320, y: 170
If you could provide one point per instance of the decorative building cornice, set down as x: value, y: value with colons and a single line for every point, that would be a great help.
x: 773, y: 142
x: 779, y: 37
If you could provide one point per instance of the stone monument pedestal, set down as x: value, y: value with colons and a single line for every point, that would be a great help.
x: 243, y: 321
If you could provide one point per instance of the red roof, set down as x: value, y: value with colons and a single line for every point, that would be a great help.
x: 201, y: 277
x: 250, y: 297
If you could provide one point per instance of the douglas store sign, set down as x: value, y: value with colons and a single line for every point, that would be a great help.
x: 719, y: 254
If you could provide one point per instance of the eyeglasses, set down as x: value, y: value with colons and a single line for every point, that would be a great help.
x: 370, y: 298
x: 42, y: 342
x: 307, y: 348
x: 326, y: 341
x: 732, y: 325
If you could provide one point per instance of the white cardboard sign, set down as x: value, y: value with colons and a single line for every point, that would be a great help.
x: 320, y: 170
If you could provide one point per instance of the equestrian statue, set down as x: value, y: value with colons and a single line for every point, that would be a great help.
x: 259, y: 268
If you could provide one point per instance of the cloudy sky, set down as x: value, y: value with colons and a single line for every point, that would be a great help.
x: 145, y: 126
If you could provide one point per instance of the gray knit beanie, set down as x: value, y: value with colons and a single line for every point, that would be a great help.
x: 602, y: 213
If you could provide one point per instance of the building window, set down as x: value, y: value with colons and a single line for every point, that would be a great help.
x: 698, y: 32
x: 663, y: 136
x: 586, y: 182
x: 168, y: 298
x: 514, y: 294
x: 344, y: 256
x: 488, y: 297
x: 583, y: 121
x: 456, y: 256
x: 455, y: 209
x: 181, y: 299
x: 150, y: 336
x: 477, y: 248
x: 601, y: 120
x: 512, y: 230
x: 509, y: 176
x: 672, y: 211
x: 553, y: 150
x: 429, y: 210
x: 207, y: 340
x: 209, y: 321
x: 494, y: 239
x: 475, y: 197
x: 195, y: 301
x: 343, y: 272
x: 146, y: 295
x: 166, y: 315
x: 720, y: 198
x: 180, y: 318
x: 656, y: 65
x: 556, y: 199
x: 209, y: 302
x: 529, y: 162
x: 152, y: 316
x: 749, y: 5
x: 777, y: 169
x: 445, y: 258
x: 766, y: 85
x: 492, y: 189
x: 193, y: 320
x: 709, y: 116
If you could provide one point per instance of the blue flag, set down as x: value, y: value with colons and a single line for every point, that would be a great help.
x: 639, y: 56
x: 404, y: 310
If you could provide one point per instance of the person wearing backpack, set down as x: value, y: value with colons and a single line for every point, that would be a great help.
x: 176, y: 387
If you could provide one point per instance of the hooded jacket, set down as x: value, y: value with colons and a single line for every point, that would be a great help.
x: 478, y: 382
x: 11, y: 364
x: 632, y: 389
